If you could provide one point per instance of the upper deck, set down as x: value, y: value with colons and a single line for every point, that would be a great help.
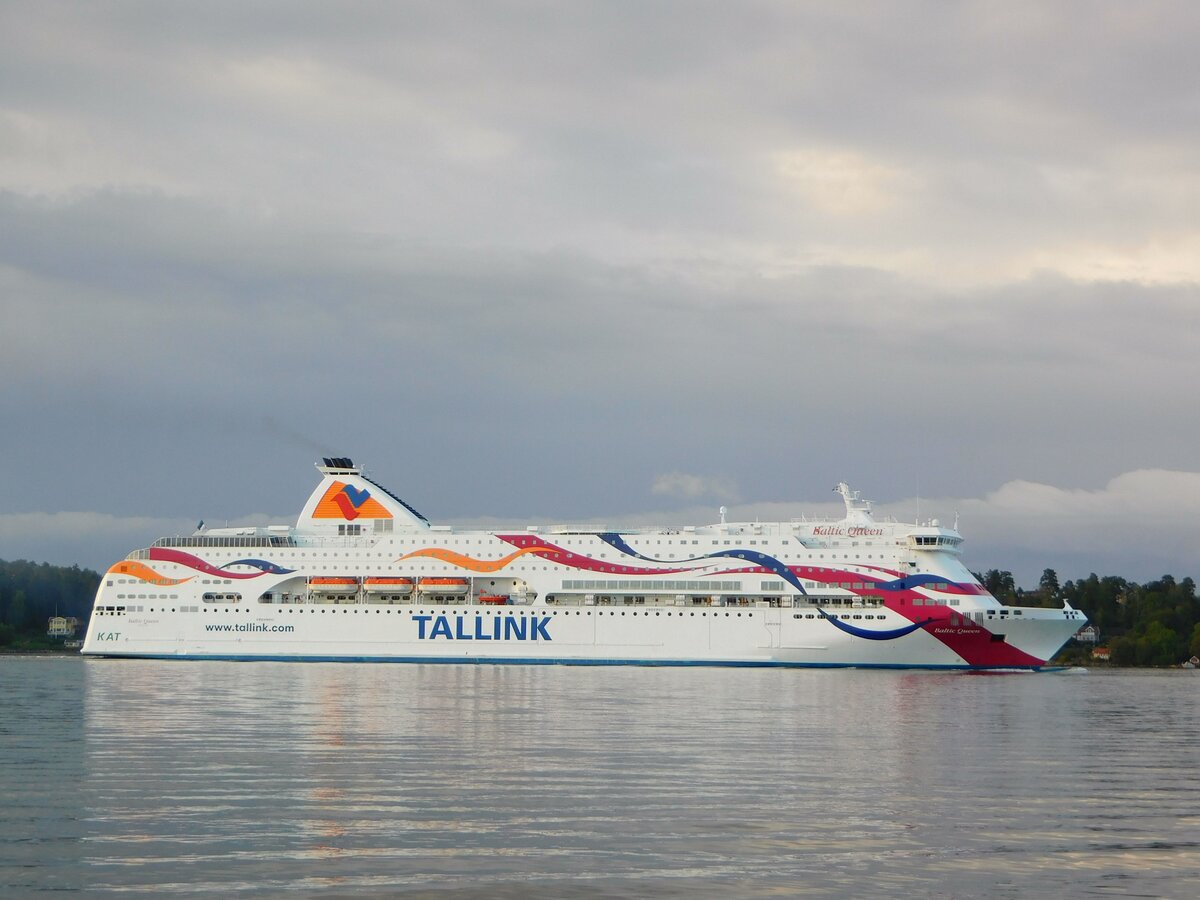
x: 348, y: 509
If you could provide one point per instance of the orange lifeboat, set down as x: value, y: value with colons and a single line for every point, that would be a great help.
x: 327, y: 584
x: 494, y: 599
x: 388, y: 584
x: 443, y: 586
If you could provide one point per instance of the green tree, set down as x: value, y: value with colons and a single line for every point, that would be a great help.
x: 1123, y: 651
x: 1101, y: 599
x: 45, y: 590
x: 1000, y: 584
x: 1157, y: 646
x: 1048, y: 584
x: 18, y: 611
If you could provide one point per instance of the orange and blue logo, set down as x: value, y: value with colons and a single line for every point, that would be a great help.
x: 344, y: 501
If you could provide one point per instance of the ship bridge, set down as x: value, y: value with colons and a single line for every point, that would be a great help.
x: 935, y: 537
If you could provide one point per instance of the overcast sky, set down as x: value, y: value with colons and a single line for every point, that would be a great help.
x: 609, y: 261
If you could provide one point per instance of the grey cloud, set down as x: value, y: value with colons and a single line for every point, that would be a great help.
x: 224, y: 315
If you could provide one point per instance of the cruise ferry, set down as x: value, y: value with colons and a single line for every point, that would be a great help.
x: 363, y: 576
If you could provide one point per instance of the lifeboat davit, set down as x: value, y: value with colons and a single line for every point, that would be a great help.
x: 388, y: 585
x: 443, y: 586
x: 325, y: 584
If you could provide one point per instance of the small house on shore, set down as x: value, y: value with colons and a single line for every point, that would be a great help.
x: 62, y: 626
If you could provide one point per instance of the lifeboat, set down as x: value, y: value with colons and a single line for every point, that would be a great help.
x: 494, y: 599
x: 388, y: 585
x: 443, y: 586
x: 325, y: 584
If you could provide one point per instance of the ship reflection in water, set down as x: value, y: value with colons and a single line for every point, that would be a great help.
x: 344, y: 779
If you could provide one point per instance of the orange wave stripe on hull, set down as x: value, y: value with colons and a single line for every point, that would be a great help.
x: 474, y: 565
x: 142, y: 572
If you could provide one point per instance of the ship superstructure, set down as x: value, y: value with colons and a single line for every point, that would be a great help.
x: 362, y: 575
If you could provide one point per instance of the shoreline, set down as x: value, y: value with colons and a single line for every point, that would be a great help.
x: 39, y: 651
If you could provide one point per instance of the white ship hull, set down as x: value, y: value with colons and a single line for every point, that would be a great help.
x: 753, y: 637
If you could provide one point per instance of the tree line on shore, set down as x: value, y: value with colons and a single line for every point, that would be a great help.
x: 30, y: 593
x: 1151, y: 624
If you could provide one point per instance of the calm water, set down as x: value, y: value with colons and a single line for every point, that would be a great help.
x: 335, y: 780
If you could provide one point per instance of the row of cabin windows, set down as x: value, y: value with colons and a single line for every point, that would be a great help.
x: 599, y: 556
x: 508, y: 611
x: 112, y: 581
x: 553, y: 612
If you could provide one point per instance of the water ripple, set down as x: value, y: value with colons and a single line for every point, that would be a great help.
x: 176, y: 778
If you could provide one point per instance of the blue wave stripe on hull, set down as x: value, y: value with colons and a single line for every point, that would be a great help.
x: 869, y: 633
x: 762, y: 559
x: 905, y: 583
x: 260, y: 564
